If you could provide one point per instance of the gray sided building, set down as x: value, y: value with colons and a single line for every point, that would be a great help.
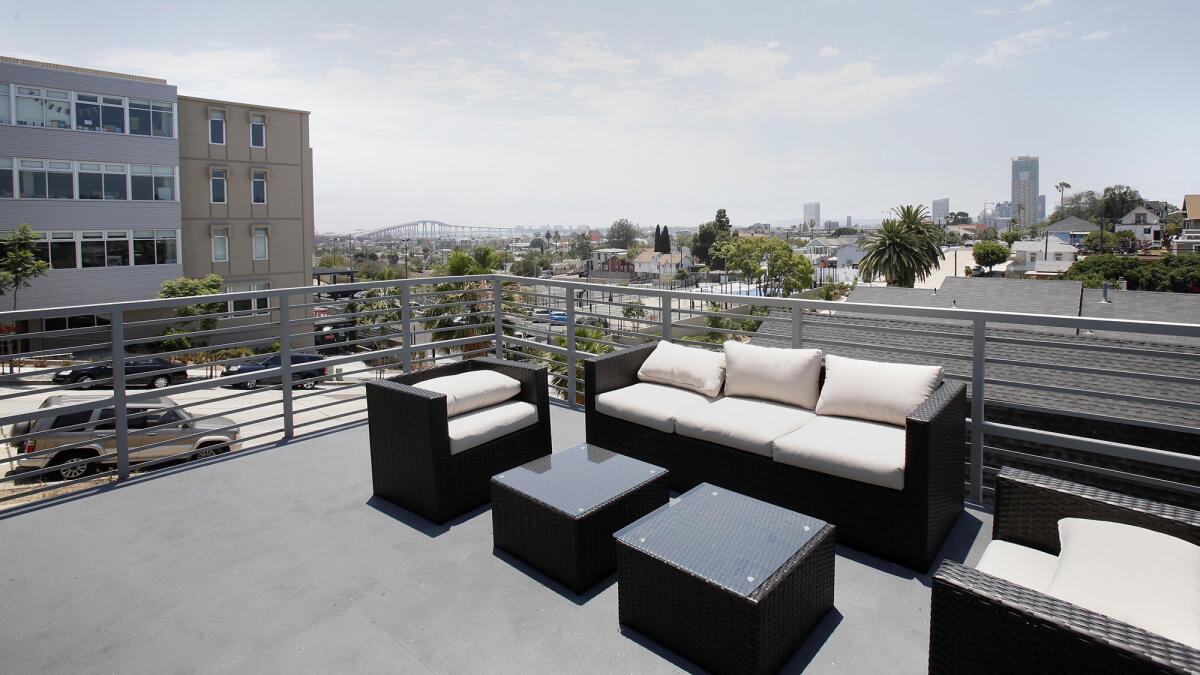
x: 940, y: 211
x: 90, y: 160
x: 1025, y: 190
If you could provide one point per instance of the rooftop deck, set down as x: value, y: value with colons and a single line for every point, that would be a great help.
x: 280, y: 560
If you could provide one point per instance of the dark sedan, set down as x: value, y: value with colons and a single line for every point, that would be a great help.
x: 150, y: 372
x: 303, y: 377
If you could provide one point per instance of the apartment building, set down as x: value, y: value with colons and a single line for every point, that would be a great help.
x: 90, y: 160
x: 246, y: 180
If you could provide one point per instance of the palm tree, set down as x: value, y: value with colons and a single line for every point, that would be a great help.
x: 1062, y: 188
x: 905, y: 249
x: 465, y: 304
x: 587, y: 341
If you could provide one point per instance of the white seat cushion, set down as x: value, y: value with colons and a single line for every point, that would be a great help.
x: 743, y: 423
x: 650, y: 405
x: 694, y: 368
x: 472, y: 390
x: 1145, y: 578
x: 788, y: 376
x: 487, y: 424
x: 875, y: 391
x: 1021, y: 565
x: 867, y: 452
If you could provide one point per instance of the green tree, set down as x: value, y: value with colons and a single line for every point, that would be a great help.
x: 622, y: 233
x: 1010, y: 237
x: 19, y: 263
x: 200, y: 316
x: 587, y: 341
x: 1098, y: 242
x: 580, y: 248
x: 334, y: 260
x: 990, y: 253
x: 634, y: 309
x: 722, y: 221
x: 903, y: 250
x: 665, y: 244
x: 1118, y: 200
x: 771, y: 264
x: 657, y: 238
x: 702, y: 245
x: 538, y: 243
x: 841, y: 231
x: 1062, y: 186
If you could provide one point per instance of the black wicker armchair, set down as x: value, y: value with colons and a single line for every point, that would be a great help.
x: 982, y: 624
x: 905, y: 526
x: 411, y: 462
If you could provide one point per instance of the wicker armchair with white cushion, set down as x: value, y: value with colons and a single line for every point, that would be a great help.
x: 439, y: 435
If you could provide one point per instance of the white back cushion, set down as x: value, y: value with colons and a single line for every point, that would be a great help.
x: 472, y: 390
x: 873, y: 390
x: 1145, y: 578
x: 694, y: 368
x: 790, y: 376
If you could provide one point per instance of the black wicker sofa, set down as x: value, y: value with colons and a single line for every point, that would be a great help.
x: 906, y: 526
x: 983, y: 623
x: 413, y: 463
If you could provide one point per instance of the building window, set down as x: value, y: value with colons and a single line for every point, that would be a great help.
x: 83, y: 321
x: 258, y: 187
x: 1145, y: 230
x: 104, y: 249
x: 100, y: 113
x: 258, y: 131
x: 151, y: 118
x: 7, y: 183
x: 220, y: 244
x: 58, y: 250
x: 30, y: 107
x: 260, y: 242
x: 1058, y: 257
x: 152, y: 183
x: 155, y: 247
x: 32, y: 175
x: 112, y: 114
x: 216, y: 127
x: 60, y: 180
x: 87, y: 112
x: 101, y: 181
x: 249, y: 306
x: 5, y: 94
x: 217, y: 180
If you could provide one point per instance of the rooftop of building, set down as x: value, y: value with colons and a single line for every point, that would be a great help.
x: 81, y: 71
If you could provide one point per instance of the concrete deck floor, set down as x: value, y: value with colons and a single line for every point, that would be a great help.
x: 280, y: 560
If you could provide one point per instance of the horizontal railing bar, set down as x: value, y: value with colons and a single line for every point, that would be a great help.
x: 1100, y: 470
x: 1075, y: 391
x: 1160, y: 377
x: 1106, y: 448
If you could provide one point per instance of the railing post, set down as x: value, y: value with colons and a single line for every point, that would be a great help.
x: 406, y: 334
x: 797, y: 326
x: 572, y: 357
x: 665, y: 310
x: 120, y: 409
x: 499, y: 300
x: 285, y: 362
x: 978, y: 374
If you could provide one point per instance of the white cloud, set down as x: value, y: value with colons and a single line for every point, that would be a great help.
x: 740, y: 63
x: 1097, y: 35
x: 1035, y: 5
x: 340, y: 33
x: 578, y: 52
x: 989, y: 11
x: 828, y: 51
x: 1006, y: 50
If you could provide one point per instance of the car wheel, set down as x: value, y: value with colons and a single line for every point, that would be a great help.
x: 308, y: 384
x: 160, y: 382
x: 85, y: 381
x: 75, y: 471
x: 207, y: 451
x: 251, y: 384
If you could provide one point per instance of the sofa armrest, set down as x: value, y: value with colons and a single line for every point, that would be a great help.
x: 533, y: 379
x: 1029, y: 506
x: 396, y: 410
x: 935, y: 440
x: 614, y: 371
x: 979, y: 622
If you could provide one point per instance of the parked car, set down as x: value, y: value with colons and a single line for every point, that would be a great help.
x: 91, y: 433
x: 540, y: 314
x: 977, y: 271
x: 302, y: 377
x: 137, y: 371
x: 558, y: 316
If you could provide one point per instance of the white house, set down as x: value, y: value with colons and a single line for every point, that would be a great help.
x: 662, y: 265
x: 1145, y: 226
x: 1046, y: 257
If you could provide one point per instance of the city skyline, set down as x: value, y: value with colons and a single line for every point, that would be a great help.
x: 510, y: 114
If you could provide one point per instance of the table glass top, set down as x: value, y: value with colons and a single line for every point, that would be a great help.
x: 579, y: 479
x: 732, y: 540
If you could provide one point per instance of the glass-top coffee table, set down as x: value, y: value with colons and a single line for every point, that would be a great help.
x: 558, y: 513
x: 726, y: 580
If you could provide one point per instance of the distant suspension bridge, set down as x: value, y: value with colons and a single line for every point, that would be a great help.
x: 433, y: 230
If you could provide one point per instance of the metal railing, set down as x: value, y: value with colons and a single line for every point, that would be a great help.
x: 1020, y: 412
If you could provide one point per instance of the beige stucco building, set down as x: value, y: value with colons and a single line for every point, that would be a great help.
x: 246, y: 182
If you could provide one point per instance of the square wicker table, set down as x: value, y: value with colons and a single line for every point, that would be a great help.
x: 730, y: 582
x: 558, y: 513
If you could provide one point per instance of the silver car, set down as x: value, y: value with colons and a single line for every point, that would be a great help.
x: 91, y: 433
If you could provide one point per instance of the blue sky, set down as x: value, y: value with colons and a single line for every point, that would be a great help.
x: 581, y: 113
